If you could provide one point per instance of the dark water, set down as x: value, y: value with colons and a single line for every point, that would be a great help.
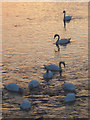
x: 27, y: 33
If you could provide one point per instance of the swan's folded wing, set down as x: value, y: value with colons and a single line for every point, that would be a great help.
x: 64, y: 41
x: 68, y: 17
x: 52, y: 67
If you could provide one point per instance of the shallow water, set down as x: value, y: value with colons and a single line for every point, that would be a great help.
x: 27, y: 33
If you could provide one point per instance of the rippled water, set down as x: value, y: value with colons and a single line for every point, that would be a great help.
x: 27, y: 32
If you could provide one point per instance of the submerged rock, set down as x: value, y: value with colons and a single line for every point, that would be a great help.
x: 70, y: 97
x: 25, y: 105
x: 33, y: 84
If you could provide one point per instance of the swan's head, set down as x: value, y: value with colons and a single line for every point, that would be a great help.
x: 56, y: 36
x: 64, y: 11
x: 61, y: 63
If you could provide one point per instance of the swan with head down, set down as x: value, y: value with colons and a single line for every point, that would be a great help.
x: 48, y: 74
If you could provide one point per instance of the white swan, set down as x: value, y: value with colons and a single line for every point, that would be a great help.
x: 33, y: 84
x: 69, y: 87
x: 61, y: 41
x: 53, y: 67
x: 66, y: 18
x: 25, y: 105
x: 70, y: 97
x: 13, y: 87
x: 48, y: 75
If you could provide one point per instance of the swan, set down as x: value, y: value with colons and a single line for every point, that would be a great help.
x: 53, y: 67
x: 61, y: 41
x: 48, y: 75
x: 13, y: 87
x: 25, y: 105
x: 69, y: 87
x: 70, y: 97
x: 66, y: 18
x: 33, y: 84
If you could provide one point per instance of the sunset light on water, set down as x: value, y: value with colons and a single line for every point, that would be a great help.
x: 28, y: 43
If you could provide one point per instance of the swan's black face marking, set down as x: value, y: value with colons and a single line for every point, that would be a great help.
x: 62, y: 63
x: 56, y: 35
x: 64, y: 11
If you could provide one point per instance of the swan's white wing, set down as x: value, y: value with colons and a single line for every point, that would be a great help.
x: 70, y: 97
x: 13, y: 87
x: 68, y: 18
x: 69, y: 87
x: 33, y: 83
x: 48, y: 75
x: 25, y: 104
x: 64, y: 41
x: 52, y: 67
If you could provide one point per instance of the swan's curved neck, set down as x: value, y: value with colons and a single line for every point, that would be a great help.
x: 61, y: 63
x: 64, y: 16
x: 58, y: 37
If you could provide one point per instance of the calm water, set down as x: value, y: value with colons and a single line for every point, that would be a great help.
x: 27, y: 32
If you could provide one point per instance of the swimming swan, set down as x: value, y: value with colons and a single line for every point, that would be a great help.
x: 13, y: 87
x: 25, y: 105
x: 61, y: 41
x: 69, y: 87
x: 48, y: 75
x: 70, y: 97
x: 66, y: 18
x: 33, y: 84
x: 53, y: 67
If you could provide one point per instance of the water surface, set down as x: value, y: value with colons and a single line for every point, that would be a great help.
x: 28, y: 29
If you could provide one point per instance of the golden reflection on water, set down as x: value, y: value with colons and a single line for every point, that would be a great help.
x: 28, y: 29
